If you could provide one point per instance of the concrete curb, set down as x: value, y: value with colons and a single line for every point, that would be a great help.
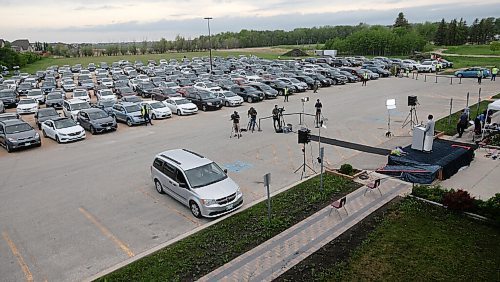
x: 189, y: 233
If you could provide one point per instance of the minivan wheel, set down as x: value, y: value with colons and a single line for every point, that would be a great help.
x: 129, y: 122
x: 227, y: 104
x: 178, y: 112
x: 44, y: 134
x: 159, y: 187
x: 8, y: 148
x: 92, y: 130
x: 195, y: 210
x: 249, y: 99
x: 57, y: 139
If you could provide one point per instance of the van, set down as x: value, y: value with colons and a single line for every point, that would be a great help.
x: 73, y: 106
x: 196, y: 182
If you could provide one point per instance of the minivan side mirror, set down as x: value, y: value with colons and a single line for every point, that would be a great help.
x: 225, y: 170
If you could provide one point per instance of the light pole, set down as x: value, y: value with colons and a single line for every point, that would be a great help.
x: 209, y: 41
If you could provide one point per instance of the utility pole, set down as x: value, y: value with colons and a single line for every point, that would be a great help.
x: 209, y: 42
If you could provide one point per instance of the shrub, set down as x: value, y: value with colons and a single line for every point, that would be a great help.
x: 459, y: 200
x: 431, y: 193
x: 495, y: 46
x: 346, y: 169
x: 490, y: 208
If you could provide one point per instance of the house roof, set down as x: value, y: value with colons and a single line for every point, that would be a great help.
x: 24, y: 44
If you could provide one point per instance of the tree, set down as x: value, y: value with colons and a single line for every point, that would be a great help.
x: 451, y: 33
x: 440, y: 38
x: 401, y: 21
x: 132, y: 48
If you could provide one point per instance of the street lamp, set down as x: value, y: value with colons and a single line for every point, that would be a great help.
x: 209, y: 41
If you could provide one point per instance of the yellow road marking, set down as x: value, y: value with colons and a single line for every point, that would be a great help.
x: 170, y: 208
x: 20, y: 260
x: 106, y: 232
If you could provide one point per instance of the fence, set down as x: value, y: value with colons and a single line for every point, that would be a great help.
x: 435, y: 77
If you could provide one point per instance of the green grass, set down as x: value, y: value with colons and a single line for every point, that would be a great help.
x: 204, y: 251
x: 464, y: 62
x: 421, y: 242
x: 451, y: 128
x: 46, y: 62
x: 471, y: 50
x: 300, y: 46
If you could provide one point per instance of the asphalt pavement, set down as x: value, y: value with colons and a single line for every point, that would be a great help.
x: 68, y: 211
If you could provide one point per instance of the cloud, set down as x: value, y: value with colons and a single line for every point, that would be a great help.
x: 93, y: 8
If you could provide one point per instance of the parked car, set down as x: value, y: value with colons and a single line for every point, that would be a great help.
x: 105, y: 105
x: 54, y: 100
x: 472, y: 72
x: 23, y: 88
x: 269, y: 92
x: 130, y: 113
x: 157, y: 109
x: 160, y: 94
x: 2, y: 107
x: 73, y: 106
x: 27, y: 106
x: 15, y: 134
x: 8, y: 116
x: 205, y: 100
x: 131, y: 99
x: 45, y: 114
x: 248, y: 93
x: 68, y: 85
x: 181, y: 106
x: 47, y: 87
x: 106, y: 94
x: 96, y: 120
x: 208, y: 86
x: 196, y: 182
x: 380, y: 71
x: 62, y: 130
x: 36, y: 94
x: 124, y: 92
x: 81, y: 94
x: 145, y: 89
x: 8, y: 97
x: 278, y: 85
x: 427, y: 66
x: 230, y: 99
x: 297, y: 85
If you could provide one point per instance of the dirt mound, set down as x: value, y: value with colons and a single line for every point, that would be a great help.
x: 296, y: 53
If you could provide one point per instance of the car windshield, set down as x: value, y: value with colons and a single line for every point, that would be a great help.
x: 21, y: 127
x: 157, y: 105
x: 7, y: 94
x: 126, y: 90
x: 47, y: 113
x: 147, y: 86
x: 427, y: 63
x: 182, y: 101
x: 106, y: 92
x: 294, y: 80
x: 64, y: 123
x: 106, y: 103
x: 97, y: 115
x: 210, y: 84
x: 27, y: 101
x: 205, y: 175
x: 206, y: 95
x: 79, y: 106
x: 133, y: 108
x: 79, y: 94
x: 229, y: 94
x: 133, y: 99
x: 280, y: 83
x: 54, y: 96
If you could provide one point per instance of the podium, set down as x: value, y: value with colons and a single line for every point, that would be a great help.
x: 420, y: 141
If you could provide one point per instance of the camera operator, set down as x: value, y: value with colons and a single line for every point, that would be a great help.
x: 276, y: 118
x: 252, y: 114
x: 318, y: 107
x: 235, y: 117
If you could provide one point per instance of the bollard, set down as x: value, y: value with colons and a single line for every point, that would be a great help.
x: 412, y: 75
x: 451, y: 80
x: 416, y: 77
x: 460, y: 81
x: 425, y: 78
x: 436, y: 79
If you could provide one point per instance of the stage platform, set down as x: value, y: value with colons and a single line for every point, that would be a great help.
x: 446, y: 158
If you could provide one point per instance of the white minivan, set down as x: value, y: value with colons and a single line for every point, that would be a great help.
x: 196, y: 182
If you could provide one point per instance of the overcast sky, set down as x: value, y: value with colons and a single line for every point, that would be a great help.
x: 125, y: 20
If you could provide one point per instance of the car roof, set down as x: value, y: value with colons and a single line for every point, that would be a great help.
x: 125, y: 104
x: 185, y: 159
x: 75, y: 101
x: 91, y: 110
x: 177, y: 98
x: 13, y: 122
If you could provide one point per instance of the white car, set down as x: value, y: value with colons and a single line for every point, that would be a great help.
x: 36, y: 94
x: 411, y: 64
x: 169, y: 84
x: 63, y: 130
x: 157, y: 109
x: 427, y: 66
x: 230, y: 99
x: 133, y: 83
x: 27, y: 106
x: 106, y: 95
x: 81, y: 94
x: 73, y: 106
x: 68, y: 84
x: 10, y: 83
x: 208, y: 86
x: 181, y: 106
x: 143, y: 78
x: 108, y: 82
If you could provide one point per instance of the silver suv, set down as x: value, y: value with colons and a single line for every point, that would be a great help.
x: 196, y: 182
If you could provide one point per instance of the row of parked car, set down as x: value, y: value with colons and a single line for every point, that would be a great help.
x: 95, y: 98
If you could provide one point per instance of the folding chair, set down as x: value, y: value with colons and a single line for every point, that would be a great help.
x: 372, y: 186
x: 338, y: 205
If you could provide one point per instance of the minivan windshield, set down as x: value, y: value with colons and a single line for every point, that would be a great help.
x: 205, y: 175
x: 21, y: 127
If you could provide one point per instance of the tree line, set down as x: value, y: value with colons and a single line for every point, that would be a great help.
x: 10, y: 58
x: 458, y: 32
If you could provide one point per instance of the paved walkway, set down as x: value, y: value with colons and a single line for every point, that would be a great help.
x: 274, y: 257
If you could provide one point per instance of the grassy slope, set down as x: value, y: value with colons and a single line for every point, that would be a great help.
x: 471, y: 50
x: 451, y: 129
x: 212, y: 247
x: 463, y: 62
x: 428, y: 242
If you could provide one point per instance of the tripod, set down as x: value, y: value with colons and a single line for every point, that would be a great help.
x: 388, y: 133
x: 304, y: 164
x: 235, y: 130
x: 412, y: 118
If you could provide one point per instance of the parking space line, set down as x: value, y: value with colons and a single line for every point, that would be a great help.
x: 106, y: 232
x: 275, y: 156
x: 20, y: 260
x: 290, y: 159
x: 169, y: 207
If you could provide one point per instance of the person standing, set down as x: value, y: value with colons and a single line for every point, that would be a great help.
x: 479, y: 76
x: 145, y: 114
x: 462, y: 123
x: 429, y: 131
x: 285, y: 93
x: 316, y: 85
x: 318, y: 107
x: 494, y: 72
x: 365, y: 78
x: 252, y: 114
x: 235, y: 117
x: 276, y: 118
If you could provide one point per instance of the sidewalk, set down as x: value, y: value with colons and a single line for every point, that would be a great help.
x: 280, y: 253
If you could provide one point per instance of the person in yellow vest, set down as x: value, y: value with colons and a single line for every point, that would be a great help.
x: 494, y: 72
x: 285, y: 93
x: 365, y: 78
x: 479, y: 76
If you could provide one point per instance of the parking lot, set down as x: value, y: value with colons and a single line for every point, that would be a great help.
x: 71, y: 210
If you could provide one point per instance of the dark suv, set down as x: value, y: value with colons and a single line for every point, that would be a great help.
x: 96, y: 120
x: 248, y: 93
x: 205, y: 100
x: 8, y: 97
x: 16, y: 134
x: 145, y: 89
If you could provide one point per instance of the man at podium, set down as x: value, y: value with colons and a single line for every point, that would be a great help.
x: 429, y: 134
